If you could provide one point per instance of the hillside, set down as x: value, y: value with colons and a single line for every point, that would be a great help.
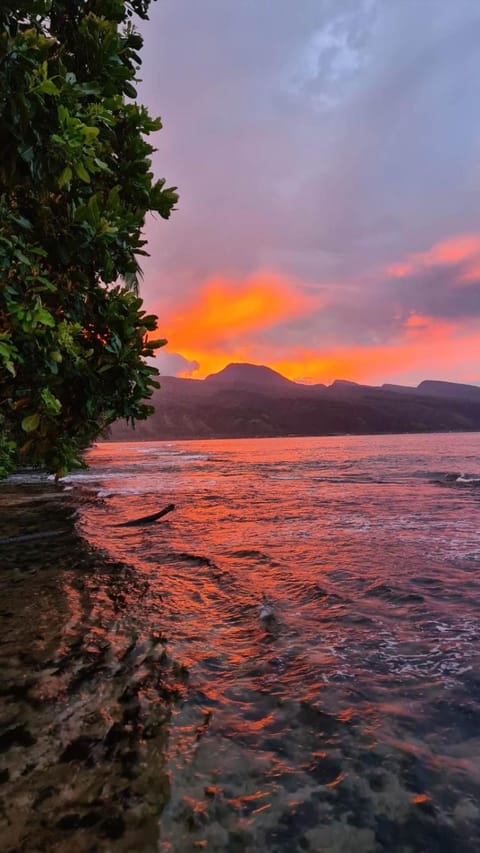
x: 246, y: 400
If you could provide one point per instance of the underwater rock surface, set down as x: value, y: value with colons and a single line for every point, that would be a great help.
x: 85, y: 688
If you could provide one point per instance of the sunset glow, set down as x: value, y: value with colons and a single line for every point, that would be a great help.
x: 461, y: 250
x: 339, y: 162
x: 438, y: 347
x: 226, y: 319
x: 233, y: 321
x: 222, y: 310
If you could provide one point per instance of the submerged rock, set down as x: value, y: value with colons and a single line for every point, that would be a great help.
x: 75, y: 769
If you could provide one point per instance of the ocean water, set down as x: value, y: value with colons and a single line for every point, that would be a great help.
x: 320, y: 601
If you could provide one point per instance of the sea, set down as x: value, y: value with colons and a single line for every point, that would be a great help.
x: 319, y: 600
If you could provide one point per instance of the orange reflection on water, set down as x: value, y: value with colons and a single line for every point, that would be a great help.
x: 239, y: 803
x: 420, y: 798
x: 340, y: 778
x: 262, y: 809
x: 75, y: 611
x: 346, y: 715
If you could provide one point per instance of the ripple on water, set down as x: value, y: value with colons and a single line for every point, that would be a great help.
x: 350, y: 722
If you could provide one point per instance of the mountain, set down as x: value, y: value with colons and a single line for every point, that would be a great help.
x: 246, y: 400
x: 251, y: 377
x: 449, y: 390
x: 400, y: 389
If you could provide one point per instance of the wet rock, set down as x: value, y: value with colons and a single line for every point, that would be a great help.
x: 426, y: 806
x: 353, y: 805
x: 18, y: 735
x: 90, y: 819
x: 368, y: 758
x: 132, y: 712
x: 193, y: 814
x: 427, y: 834
x: 466, y: 810
x: 180, y: 671
x: 70, y: 821
x: 82, y: 676
x: 238, y: 841
x: 326, y: 770
x: 130, y: 764
x: 377, y: 781
x: 18, y: 692
x: 433, y: 835
x: 152, y: 728
x: 79, y: 749
x: 77, y: 821
x: 417, y: 776
x: 114, y: 737
x: 304, y: 815
x: 311, y: 716
x: 136, y: 652
x: 112, y: 827
x: 44, y: 794
x: 386, y: 833
x: 130, y: 692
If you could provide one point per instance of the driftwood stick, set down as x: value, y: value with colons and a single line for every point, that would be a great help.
x: 25, y: 537
x: 146, y: 519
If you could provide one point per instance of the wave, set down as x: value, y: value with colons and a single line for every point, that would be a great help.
x: 159, y: 453
x: 469, y: 481
x: 110, y: 493
x: 455, y: 478
x: 251, y: 553
x: 28, y: 478
x: 194, y: 559
x: 394, y: 594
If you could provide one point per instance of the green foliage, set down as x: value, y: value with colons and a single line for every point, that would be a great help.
x: 75, y: 186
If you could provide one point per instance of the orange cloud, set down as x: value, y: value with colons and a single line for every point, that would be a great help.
x: 416, y: 321
x: 218, y: 324
x: 424, y: 347
x: 463, y: 250
x: 226, y: 321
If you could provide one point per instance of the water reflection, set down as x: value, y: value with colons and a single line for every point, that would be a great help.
x: 339, y: 725
x: 347, y: 719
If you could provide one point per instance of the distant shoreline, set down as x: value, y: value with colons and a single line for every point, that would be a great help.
x: 225, y: 437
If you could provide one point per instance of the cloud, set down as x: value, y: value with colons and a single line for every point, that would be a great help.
x: 174, y: 364
x: 460, y: 252
x: 242, y: 321
x: 226, y: 319
x: 423, y: 348
x: 332, y: 143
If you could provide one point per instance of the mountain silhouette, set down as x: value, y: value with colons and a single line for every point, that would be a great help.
x: 246, y: 400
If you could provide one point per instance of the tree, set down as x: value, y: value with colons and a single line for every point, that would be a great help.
x: 75, y: 187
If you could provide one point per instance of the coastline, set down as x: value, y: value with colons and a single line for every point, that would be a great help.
x: 81, y: 749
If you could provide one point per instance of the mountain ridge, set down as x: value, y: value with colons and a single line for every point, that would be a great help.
x: 252, y: 401
x: 260, y: 376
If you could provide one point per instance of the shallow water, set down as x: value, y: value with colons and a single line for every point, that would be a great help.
x: 323, y: 596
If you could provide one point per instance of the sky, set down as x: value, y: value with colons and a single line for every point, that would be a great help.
x: 327, y: 155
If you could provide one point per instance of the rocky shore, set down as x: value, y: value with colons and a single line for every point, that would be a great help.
x: 85, y: 692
